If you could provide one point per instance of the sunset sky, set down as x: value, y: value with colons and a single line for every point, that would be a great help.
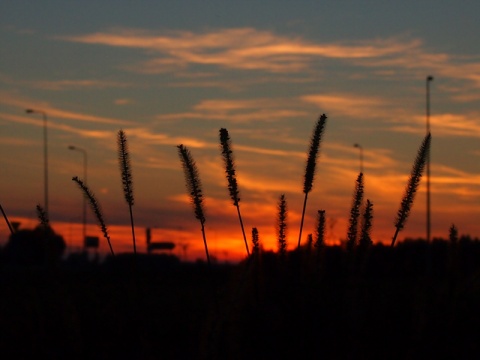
x: 175, y: 72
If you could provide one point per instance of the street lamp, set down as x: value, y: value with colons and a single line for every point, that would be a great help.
x: 429, y: 79
x: 361, y: 156
x: 45, y: 153
x: 84, y: 152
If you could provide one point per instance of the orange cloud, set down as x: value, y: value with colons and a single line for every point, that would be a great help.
x: 355, y: 106
x: 122, y: 101
x: 266, y: 51
x: 456, y: 124
x: 54, y: 125
x: 62, y: 85
x: 54, y: 112
x: 241, y: 48
x: 240, y: 110
x: 447, y: 124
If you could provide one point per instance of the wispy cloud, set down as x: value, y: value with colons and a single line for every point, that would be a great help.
x: 240, y: 48
x: 252, y: 49
x: 149, y: 137
x: 123, y: 101
x: 101, y: 134
x: 417, y: 60
x: 247, y: 110
x: 460, y: 125
x: 466, y: 124
x: 65, y: 84
x: 53, y: 112
x: 86, y: 84
x: 351, y: 105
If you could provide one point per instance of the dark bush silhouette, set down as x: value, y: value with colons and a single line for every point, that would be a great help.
x: 40, y: 246
x: 421, y: 295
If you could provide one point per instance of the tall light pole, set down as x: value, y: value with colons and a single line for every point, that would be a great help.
x: 84, y: 152
x: 45, y: 154
x: 429, y: 79
x: 361, y: 156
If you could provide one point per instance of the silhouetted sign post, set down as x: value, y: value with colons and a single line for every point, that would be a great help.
x: 91, y: 242
x: 157, y: 245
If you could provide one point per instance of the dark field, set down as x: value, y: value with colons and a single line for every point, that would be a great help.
x: 410, y: 302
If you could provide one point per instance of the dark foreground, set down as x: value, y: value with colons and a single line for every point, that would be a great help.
x: 411, y: 302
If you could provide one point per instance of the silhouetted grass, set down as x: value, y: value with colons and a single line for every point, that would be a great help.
x: 453, y: 234
x: 255, y: 241
x: 226, y: 147
x: 282, y: 225
x: 411, y: 189
x: 43, y: 217
x: 423, y: 296
x: 355, y: 213
x: 194, y: 187
x: 258, y: 309
x: 311, y: 164
x: 367, y: 219
x: 320, y: 230
x: 126, y: 171
x: 96, y: 209
x: 6, y: 219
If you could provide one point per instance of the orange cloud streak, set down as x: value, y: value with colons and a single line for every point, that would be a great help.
x: 243, y: 48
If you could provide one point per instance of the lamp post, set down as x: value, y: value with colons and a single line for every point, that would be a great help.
x: 429, y: 79
x: 45, y: 154
x: 84, y: 152
x: 361, y: 156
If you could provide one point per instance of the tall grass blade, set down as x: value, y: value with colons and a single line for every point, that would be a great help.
x: 453, y: 234
x: 282, y: 225
x: 355, y: 213
x: 6, y: 220
x: 412, y: 186
x: 319, y: 242
x: 96, y: 209
x: 43, y: 217
x: 309, y: 242
x: 311, y: 164
x: 227, y: 153
x: 255, y: 242
x: 365, y: 239
x: 126, y: 171
x: 194, y: 187
x: 320, y: 230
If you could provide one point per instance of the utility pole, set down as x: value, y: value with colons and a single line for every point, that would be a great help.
x: 429, y: 79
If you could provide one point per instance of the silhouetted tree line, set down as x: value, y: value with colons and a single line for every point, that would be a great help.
x: 415, y: 300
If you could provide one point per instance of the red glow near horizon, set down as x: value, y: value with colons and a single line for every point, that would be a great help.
x: 188, y: 245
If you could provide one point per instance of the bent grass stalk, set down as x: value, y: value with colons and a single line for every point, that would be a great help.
x: 310, y: 167
x: 412, y: 186
x: 126, y: 171
x: 194, y: 188
x: 228, y: 160
x: 96, y: 209
x: 6, y: 220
